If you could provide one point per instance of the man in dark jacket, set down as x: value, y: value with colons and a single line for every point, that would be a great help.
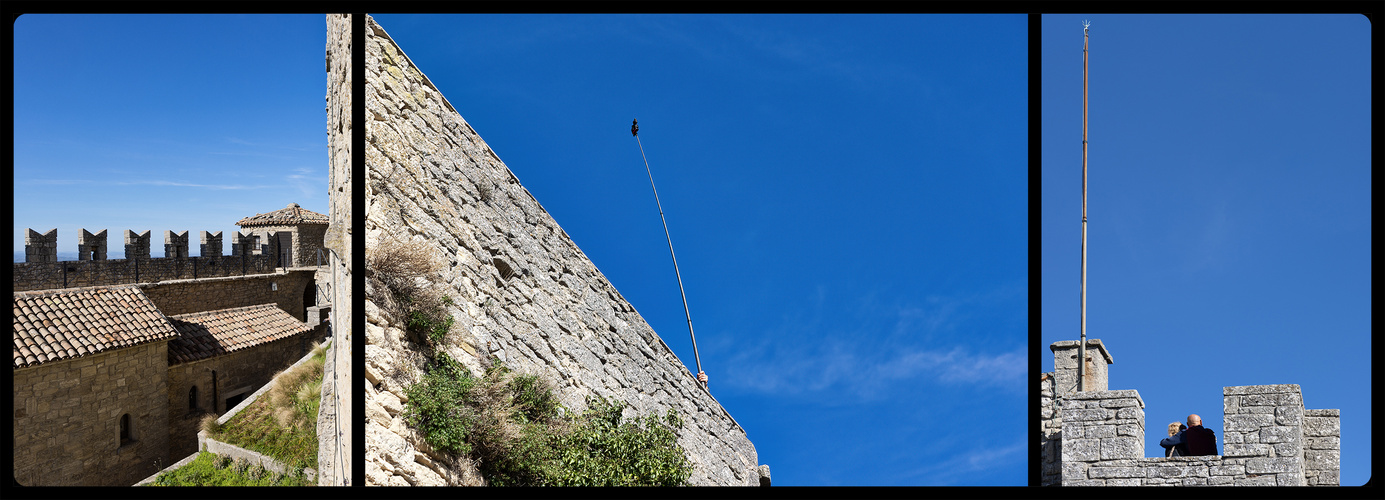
x: 1194, y: 441
x: 1200, y: 440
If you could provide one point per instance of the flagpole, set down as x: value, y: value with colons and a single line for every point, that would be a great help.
x: 1082, y: 347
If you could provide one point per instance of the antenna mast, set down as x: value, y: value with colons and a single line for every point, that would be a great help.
x: 1082, y: 346
x: 635, y: 131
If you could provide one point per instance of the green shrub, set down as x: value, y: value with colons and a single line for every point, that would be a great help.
x: 515, y: 429
x: 437, y: 405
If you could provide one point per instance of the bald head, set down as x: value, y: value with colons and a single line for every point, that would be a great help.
x: 1194, y: 420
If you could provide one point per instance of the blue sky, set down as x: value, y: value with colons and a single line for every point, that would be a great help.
x: 165, y: 122
x: 847, y: 196
x: 1229, y: 227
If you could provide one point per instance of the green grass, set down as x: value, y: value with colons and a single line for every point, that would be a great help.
x: 282, y: 423
x: 210, y: 469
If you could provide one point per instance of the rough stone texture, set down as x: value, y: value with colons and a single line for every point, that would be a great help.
x: 284, y: 289
x: 335, y: 450
x: 1322, y: 456
x: 67, y: 418
x: 1096, y: 438
x: 521, y: 288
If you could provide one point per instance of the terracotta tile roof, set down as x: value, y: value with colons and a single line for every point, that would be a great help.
x: 54, y: 325
x: 284, y: 217
x: 213, y: 333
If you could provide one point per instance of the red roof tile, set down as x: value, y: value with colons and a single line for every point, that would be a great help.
x: 213, y: 333
x: 284, y: 217
x: 53, y: 325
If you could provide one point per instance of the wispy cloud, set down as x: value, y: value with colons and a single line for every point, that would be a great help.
x: 840, y: 366
x: 960, y: 468
x: 189, y: 184
x: 883, y: 347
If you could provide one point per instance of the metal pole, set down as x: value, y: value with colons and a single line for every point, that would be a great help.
x: 634, y: 130
x: 1082, y: 347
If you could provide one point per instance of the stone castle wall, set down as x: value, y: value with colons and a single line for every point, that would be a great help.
x: 73, y: 274
x: 67, y: 418
x: 335, y: 418
x: 1096, y: 438
x: 284, y: 289
x: 522, y: 290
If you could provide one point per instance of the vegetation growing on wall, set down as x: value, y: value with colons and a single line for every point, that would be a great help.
x: 210, y: 469
x: 283, y: 422
x: 513, y: 427
x: 400, y: 267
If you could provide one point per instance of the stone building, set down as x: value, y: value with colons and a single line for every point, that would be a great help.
x: 117, y: 361
x: 1096, y: 437
x: 293, y: 235
x: 108, y: 390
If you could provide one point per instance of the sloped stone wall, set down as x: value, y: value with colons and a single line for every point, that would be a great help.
x: 335, y: 431
x: 521, y: 289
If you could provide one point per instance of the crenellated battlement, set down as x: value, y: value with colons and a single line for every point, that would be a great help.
x: 42, y: 269
x: 1096, y: 437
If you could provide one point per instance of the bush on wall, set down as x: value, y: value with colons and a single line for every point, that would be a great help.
x: 514, y: 427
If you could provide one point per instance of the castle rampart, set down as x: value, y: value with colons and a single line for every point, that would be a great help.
x: 1096, y: 437
x: 43, y: 270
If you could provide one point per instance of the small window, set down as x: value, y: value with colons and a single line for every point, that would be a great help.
x: 126, y: 433
x: 192, y: 399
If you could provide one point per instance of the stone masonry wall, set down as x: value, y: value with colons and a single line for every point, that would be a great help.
x: 1103, y: 442
x: 1096, y: 437
x: 67, y: 418
x: 336, y: 420
x: 1322, y: 430
x: 244, y: 370
x: 1051, y: 439
x: 80, y: 273
x: 190, y: 296
x: 522, y: 290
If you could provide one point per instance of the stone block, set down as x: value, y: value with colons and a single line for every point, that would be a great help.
x: 1130, y: 430
x: 1247, y: 450
x: 1123, y: 482
x: 1260, y: 389
x: 1122, y: 447
x: 1277, y: 434
x: 1318, y: 426
x: 1115, y: 472
x: 1247, y: 422
x: 1324, y: 443
x: 1221, y: 481
x: 1288, y: 415
x: 1273, y: 465
x: 1099, y: 431
x: 1226, y: 470
x: 1289, y: 479
x: 1287, y: 449
x: 1081, y: 450
x: 1086, y: 415
x: 1322, y: 459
